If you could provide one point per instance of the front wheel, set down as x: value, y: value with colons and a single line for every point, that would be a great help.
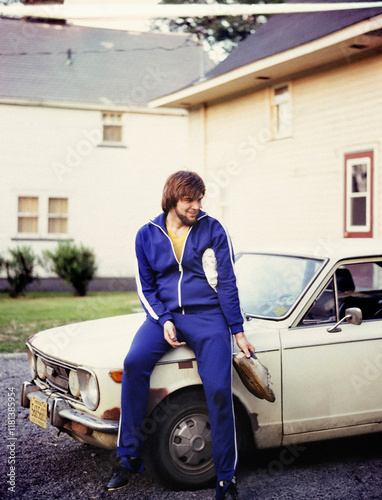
x: 178, y: 452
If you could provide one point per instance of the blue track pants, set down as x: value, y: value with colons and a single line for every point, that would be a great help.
x: 208, y: 335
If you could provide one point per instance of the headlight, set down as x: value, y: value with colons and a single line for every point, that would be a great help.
x: 74, y: 384
x: 41, y: 369
x: 32, y: 363
x: 89, y: 388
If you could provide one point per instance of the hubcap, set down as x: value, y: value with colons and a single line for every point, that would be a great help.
x: 190, y: 443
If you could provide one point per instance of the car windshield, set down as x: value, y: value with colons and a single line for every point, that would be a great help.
x: 270, y: 285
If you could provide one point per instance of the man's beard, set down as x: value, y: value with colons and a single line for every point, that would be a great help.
x: 185, y: 221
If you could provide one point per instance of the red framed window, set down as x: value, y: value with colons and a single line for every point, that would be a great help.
x: 359, y: 195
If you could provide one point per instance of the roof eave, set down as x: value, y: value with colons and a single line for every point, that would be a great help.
x: 326, y: 50
x: 88, y: 106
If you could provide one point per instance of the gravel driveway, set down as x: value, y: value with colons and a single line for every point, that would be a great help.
x: 39, y: 463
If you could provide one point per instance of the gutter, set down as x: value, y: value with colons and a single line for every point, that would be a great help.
x: 227, y: 83
x: 51, y: 103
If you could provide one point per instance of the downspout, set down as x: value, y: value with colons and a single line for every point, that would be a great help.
x: 204, y: 139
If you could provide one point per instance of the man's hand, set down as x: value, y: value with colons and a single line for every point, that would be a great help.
x: 243, y: 344
x: 170, y: 334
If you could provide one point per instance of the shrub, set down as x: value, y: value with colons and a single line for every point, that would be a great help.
x: 2, y: 263
x: 20, y: 269
x: 76, y: 265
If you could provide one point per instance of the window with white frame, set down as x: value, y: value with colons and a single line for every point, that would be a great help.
x: 37, y: 217
x: 27, y: 218
x: 112, y: 129
x: 58, y: 215
x: 359, y: 195
x: 282, y: 111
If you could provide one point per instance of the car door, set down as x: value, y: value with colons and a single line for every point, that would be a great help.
x: 333, y: 380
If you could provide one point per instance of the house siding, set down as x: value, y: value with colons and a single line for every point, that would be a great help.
x: 111, y: 191
x: 266, y: 189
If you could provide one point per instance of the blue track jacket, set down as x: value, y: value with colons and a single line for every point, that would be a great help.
x: 165, y: 284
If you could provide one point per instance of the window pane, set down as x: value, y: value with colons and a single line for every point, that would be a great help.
x: 58, y: 220
x: 58, y: 206
x: 358, y: 211
x: 28, y: 204
x: 366, y: 292
x: 282, y: 111
x: 27, y: 221
x: 283, y: 117
x: 359, y: 194
x: 323, y: 309
x: 57, y: 225
x: 112, y: 133
x: 27, y: 225
x: 359, y: 178
x: 362, y: 275
x: 270, y: 285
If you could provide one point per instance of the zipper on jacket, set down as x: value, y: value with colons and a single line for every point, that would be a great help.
x: 181, y: 270
x: 178, y: 261
x: 179, y: 282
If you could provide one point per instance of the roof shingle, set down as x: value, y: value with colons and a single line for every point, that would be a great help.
x: 50, y: 61
x: 285, y: 31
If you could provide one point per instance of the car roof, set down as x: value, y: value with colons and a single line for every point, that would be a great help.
x: 323, y: 248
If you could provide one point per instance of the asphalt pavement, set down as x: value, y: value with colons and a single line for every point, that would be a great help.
x: 38, y: 463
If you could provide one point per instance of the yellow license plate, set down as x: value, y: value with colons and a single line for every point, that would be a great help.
x: 38, y: 412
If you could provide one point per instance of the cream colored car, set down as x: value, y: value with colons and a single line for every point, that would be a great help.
x: 303, y: 311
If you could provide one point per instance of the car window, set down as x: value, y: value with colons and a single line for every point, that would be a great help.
x: 323, y: 309
x: 270, y: 285
x: 365, y: 291
x: 357, y: 285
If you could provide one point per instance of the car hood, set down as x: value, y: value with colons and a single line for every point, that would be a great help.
x: 100, y: 343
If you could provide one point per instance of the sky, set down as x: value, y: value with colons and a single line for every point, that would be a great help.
x: 216, y: 54
x: 136, y: 25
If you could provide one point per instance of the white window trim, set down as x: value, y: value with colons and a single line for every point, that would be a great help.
x: 276, y: 100
x: 113, y: 118
x: 366, y: 157
x: 350, y: 195
x: 50, y: 215
x: 42, y: 219
x: 25, y: 234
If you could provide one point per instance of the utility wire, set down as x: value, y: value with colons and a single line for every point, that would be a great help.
x: 185, y: 44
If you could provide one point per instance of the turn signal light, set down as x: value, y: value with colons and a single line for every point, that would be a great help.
x: 116, y: 375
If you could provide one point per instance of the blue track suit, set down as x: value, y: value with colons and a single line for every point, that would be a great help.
x: 206, y: 312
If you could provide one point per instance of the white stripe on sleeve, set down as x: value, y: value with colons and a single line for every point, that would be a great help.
x: 141, y: 295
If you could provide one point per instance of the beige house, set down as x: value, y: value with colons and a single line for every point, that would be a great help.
x: 83, y: 158
x: 288, y: 129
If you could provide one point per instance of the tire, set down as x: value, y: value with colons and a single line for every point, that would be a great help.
x: 178, y: 453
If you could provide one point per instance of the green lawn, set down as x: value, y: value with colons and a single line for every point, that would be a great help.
x: 21, y: 317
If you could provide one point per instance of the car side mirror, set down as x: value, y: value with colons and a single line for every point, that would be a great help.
x: 353, y: 315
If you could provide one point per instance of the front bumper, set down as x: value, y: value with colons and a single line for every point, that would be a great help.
x: 60, y: 413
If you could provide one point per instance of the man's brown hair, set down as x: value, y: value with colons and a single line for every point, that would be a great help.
x: 179, y: 185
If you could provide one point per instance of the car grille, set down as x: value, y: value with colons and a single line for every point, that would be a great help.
x: 57, y: 374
